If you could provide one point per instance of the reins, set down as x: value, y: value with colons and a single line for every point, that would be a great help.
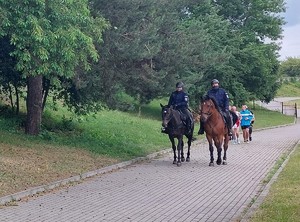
x: 208, y: 113
x: 171, y: 116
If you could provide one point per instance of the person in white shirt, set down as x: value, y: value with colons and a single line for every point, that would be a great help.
x: 236, y: 126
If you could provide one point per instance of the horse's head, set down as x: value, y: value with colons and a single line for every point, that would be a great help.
x: 207, y: 107
x: 166, y: 114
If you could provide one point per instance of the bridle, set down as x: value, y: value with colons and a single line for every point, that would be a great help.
x: 208, y: 113
x: 167, y: 119
x: 169, y: 111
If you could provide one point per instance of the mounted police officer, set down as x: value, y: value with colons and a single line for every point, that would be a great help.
x: 179, y: 100
x: 222, y: 99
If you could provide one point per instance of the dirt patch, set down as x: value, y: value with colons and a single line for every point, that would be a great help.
x: 22, y: 168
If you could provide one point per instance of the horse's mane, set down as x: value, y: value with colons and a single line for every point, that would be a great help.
x: 207, y: 97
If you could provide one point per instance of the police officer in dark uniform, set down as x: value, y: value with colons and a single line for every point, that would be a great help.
x: 222, y: 99
x: 179, y: 100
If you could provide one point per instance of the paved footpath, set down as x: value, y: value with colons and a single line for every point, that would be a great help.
x: 157, y: 190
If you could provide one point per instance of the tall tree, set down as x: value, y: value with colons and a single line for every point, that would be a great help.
x: 51, y: 38
x: 254, y: 62
x: 290, y: 67
x: 209, y: 36
x: 129, y: 63
x: 153, y: 44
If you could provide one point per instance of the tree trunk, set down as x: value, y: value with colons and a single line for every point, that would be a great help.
x: 11, y: 98
x: 17, y: 100
x: 34, y: 104
x: 46, y: 87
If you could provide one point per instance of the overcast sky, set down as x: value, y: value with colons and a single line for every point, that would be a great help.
x: 291, y: 41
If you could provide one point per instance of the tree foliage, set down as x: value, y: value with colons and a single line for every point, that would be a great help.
x: 136, y: 56
x: 11, y: 80
x: 154, y: 44
x: 290, y: 67
x: 149, y: 46
x: 254, y: 63
x: 51, y: 39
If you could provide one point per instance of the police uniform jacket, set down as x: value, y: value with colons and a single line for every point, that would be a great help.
x: 221, y: 97
x: 179, y: 100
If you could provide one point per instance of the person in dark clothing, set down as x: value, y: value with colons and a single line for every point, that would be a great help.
x: 251, y: 125
x: 179, y: 100
x: 222, y: 99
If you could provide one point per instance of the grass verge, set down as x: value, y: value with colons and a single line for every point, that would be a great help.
x: 283, y: 200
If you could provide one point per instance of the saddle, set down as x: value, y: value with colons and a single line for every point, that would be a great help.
x: 184, y: 118
x: 224, y: 117
x: 229, y: 120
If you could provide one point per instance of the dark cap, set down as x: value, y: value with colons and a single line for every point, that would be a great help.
x: 214, y: 81
x: 179, y: 85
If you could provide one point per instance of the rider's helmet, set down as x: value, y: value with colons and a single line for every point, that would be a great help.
x: 179, y: 85
x: 214, y: 81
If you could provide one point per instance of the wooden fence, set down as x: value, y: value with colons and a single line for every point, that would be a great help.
x: 283, y: 107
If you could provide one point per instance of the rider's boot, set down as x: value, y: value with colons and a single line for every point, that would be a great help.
x: 229, y: 124
x: 201, y: 130
x: 229, y: 132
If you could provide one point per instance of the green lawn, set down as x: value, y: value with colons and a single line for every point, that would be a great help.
x: 282, y: 204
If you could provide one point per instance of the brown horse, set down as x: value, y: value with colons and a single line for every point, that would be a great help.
x: 175, y: 128
x: 215, y: 128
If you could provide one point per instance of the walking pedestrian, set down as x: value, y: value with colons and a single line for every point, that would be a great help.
x: 251, y: 126
x: 236, y: 126
x: 246, y: 117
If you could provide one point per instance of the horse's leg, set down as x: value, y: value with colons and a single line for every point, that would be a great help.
x: 189, y: 147
x: 225, y: 146
x: 179, y: 149
x: 218, y: 144
x: 182, y: 153
x: 219, y: 150
x: 174, y: 148
x: 211, y: 150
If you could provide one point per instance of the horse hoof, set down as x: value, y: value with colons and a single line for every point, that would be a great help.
x: 211, y: 164
x: 188, y: 159
x: 174, y: 162
x: 179, y: 164
x: 224, y: 163
x: 182, y: 159
x: 219, y: 163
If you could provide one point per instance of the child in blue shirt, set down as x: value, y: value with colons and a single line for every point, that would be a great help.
x: 246, y: 117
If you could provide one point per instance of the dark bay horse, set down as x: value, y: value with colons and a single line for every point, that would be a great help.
x: 175, y: 128
x: 215, y: 129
